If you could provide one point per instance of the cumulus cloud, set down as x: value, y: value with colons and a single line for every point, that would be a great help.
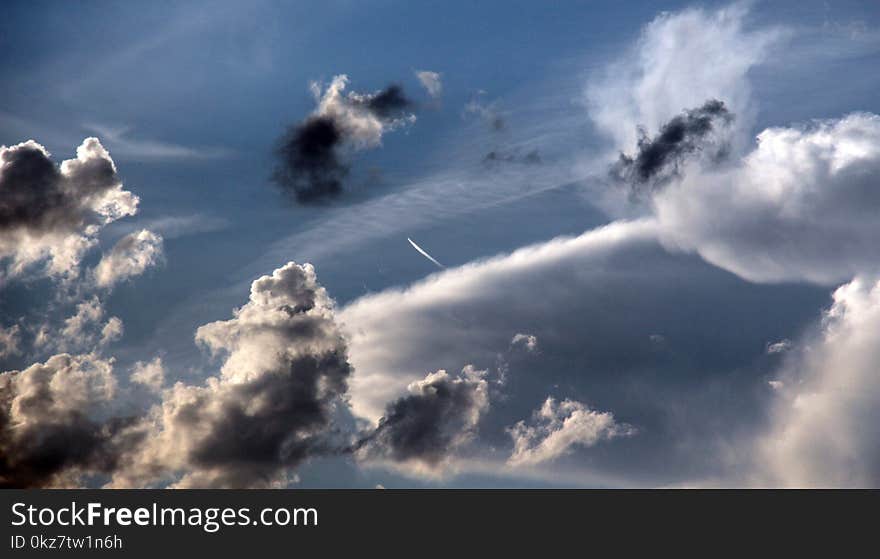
x: 51, y: 213
x: 150, y: 374
x: 283, y: 378
x: 800, y: 206
x: 431, y: 82
x: 422, y: 430
x: 557, y: 428
x: 130, y: 256
x: 796, y: 204
x: 658, y: 159
x: 50, y: 427
x: 85, y: 330
x: 312, y: 153
x: 825, y: 431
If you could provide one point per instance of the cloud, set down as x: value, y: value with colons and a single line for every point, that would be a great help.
x: 53, y: 213
x: 136, y: 149
x: 825, y: 429
x: 559, y: 426
x: 796, y: 206
x: 85, y: 330
x: 488, y: 112
x: 658, y: 159
x: 431, y: 82
x: 389, y: 331
x: 680, y: 60
x: 131, y: 256
x: 800, y: 206
x: 386, y: 103
x: 525, y: 341
x: 422, y: 430
x: 312, y: 153
x: 282, y: 380
x: 10, y: 339
x: 779, y: 347
x: 50, y: 431
x: 150, y: 374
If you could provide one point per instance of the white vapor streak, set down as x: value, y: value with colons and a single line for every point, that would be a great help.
x: 423, y: 253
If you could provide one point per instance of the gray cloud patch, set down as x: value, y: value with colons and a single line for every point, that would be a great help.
x: 439, y: 414
x: 658, y: 159
x: 49, y: 430
x: 310, y: 167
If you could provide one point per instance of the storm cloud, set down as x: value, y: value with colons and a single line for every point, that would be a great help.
x: 658, y: 159
x: 312, y: 155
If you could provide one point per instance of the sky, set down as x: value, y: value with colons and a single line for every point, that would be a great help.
x: 423, y: 244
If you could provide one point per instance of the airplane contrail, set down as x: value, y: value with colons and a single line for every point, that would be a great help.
x: 423, y: 253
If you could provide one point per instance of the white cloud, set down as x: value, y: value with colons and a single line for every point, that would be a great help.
x: 84, y: 331
x: 131, y: 255
x: 826, y: 428
x: 111, y: 331
x: 680, y: 60
x: 363, y: 127
x: 150, y: 374
x: 431, y: 82
x: 557, y: 428
x: 779, y: 347
x: 800, y: 206
x: 525, y: 341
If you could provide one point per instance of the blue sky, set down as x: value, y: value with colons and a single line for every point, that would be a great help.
x: 668, y: 330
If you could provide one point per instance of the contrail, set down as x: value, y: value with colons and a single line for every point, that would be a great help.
x: 423, y: 253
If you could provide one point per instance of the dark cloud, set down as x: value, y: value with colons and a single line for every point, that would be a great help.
x: 282, y: 381
x: 312, y: 154
x: 38, y: 196
x: 49, y: 431
x: 389, y: 102
x: 657, y: 159
x: 439, y: 414
x: 53, y: 212
x: 310, y: 167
